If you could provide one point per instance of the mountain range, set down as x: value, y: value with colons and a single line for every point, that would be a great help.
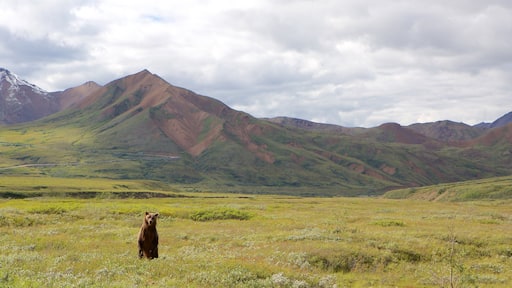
x: 142, y: 127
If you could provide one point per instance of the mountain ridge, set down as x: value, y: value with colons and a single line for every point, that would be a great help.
x: 502, y: 121
x: 71, y: 96
x: 162, y: 132
x: 89, y: 86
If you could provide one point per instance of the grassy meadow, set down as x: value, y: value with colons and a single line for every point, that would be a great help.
x: 496, y: 188
x: 230, y: 240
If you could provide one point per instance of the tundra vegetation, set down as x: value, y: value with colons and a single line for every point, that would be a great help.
x: 52, y: 238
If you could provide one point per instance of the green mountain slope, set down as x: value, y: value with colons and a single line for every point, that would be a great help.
x: 483, y: 189
x: 141, y: 127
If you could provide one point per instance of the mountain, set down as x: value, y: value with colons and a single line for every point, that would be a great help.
x: 313, y: 126
x: 21, y: 101
x: 497, y: 138
x: 142, y: 114
x: 145, y: 104
x: 72, y: 96
x: 444, y: 131
x: 395, y: 133
x: 448, y: 131
x: 142, y: 127
x: 502, y: 121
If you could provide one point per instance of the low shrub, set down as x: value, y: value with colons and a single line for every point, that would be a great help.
x: 389, y: 223
x: 18, y: 221
x: 220, y: 214
x: 348, y: 261
x: 407, y: 255
x: 51, y: 210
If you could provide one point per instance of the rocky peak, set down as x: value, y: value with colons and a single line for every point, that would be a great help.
x: 21, y: 101
x: 15, y: 82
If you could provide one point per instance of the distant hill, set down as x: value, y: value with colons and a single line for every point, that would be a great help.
x: 499, y: 138
x: 447, y: 130
x: 313, y: 126
x: 482, y: 189
x: 72, y: 96
x: 395, y: 133
x: 502, y: 121
x: 142, y: 127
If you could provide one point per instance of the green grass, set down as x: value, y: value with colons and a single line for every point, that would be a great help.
x: 222, y: 213
x: 483, y: 189
x: 283, y: 242
x: 31, y: 186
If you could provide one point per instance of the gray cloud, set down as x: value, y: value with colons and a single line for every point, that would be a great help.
x: 15, y: 48
x: 354, y: 63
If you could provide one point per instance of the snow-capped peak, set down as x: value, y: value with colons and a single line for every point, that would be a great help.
x: 21, y: 101
x: 15, y: 82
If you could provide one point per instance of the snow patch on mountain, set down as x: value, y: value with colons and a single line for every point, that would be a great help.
x: 16, y: 82
x: 21, y: 101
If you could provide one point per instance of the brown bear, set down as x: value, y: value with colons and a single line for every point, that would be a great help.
x: 148, y: 237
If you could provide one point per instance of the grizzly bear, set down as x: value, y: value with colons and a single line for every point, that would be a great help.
x: 148, y: 237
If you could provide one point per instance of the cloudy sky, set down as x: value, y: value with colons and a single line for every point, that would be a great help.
x: 350, y: 62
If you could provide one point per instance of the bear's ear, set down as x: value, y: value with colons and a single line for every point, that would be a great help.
x: 147, y: 212
x: 156, y: 214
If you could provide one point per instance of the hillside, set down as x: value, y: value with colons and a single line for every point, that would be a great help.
x: 313, y: 126
x: 482, y: 189
x: 448, y: 131
x: 502, y: 121
x: 142, y: 127
x: 72, y: 96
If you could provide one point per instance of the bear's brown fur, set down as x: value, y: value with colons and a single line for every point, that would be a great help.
x: 148, y: 237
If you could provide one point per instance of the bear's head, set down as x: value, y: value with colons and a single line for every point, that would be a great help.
x: 150, y: 218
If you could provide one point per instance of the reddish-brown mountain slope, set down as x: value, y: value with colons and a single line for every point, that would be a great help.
x: 313, y: 126
x: 498, y: 136
x: 191, y: 121
x: 71, y: 97
x: 395, y: 133
x: 447, y: 131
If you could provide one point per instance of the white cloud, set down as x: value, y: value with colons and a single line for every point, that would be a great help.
x: 354, y: 63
